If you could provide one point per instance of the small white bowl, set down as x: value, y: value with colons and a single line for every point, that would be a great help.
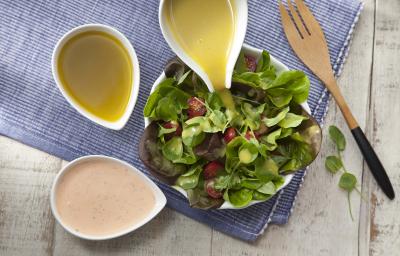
x: 120, y: 123
x: 280, y: 67
x: 241, y: 17
x: 160, y: 199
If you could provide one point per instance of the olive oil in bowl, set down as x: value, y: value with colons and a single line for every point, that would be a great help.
x: 96, y: 69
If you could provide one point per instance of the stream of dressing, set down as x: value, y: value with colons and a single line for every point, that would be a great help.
x: 205, y: 30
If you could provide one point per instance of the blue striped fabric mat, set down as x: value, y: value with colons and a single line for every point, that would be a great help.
x: 33, y: 111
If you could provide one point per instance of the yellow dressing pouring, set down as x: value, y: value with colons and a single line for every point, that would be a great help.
x: 205, y: 30
x: 96, y: 71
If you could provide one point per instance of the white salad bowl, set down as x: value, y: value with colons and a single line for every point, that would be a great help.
x: 160, y: 199
x: 120, y: 123
x: 280, y: 67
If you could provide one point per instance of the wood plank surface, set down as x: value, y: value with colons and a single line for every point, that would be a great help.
x: 26, y: 222
x: 384, y: 215
x: 320, y: 223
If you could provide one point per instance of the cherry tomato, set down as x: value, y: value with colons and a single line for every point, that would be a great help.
x: 229, y: 134
x: 211, y: 169
x: 196, y: 107
x: 250, y: 135
x: 251, y: 63
x: 261, y: 131
x: 173, y: 124
x: 211, y: 191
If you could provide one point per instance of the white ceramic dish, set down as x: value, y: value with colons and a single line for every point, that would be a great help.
x: 160, y: 199
x: 280, y: 67
x: 241, y: 16
x: 116, y: 125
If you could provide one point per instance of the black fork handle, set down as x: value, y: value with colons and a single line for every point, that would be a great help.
x: 373, y: 162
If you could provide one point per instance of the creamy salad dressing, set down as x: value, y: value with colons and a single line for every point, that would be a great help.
x: 102, y: 197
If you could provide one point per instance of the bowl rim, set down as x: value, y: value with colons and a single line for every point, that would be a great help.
x: 160, y: 199
x: 121, y: 122
x: 254, y: 52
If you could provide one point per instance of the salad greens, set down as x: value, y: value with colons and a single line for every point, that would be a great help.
x: 219, y: 154
x: 334, y: 163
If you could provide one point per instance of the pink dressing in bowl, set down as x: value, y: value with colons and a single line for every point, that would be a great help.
x: 99, y: 197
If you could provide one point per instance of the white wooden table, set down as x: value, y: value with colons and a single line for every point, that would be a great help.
x: 320, y: 223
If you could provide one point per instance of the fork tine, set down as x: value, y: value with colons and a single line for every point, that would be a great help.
x: 309, y: 19
x: 299, y: 24
x: 288, y: 26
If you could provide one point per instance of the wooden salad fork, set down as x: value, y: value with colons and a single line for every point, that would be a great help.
x: 307, y: 39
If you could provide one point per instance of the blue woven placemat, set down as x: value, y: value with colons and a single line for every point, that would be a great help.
x: 33, y: 111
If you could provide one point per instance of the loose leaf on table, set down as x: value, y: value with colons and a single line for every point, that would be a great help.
x: 347, y: 181
x: 337, y: 137
x: 333, y: 164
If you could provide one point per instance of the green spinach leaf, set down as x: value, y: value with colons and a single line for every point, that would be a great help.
x: 348, y: 181
x: 248, y: 152
x: 291, y: 120
x: 190, y: 179
x: 333, y: 164
x: 268, y: 188
x: 337, y: 137
x: 239, y: 198
x: 266, y: 169
x: 192, y: 135
x: 173, y: 149
x: 269, y: 122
